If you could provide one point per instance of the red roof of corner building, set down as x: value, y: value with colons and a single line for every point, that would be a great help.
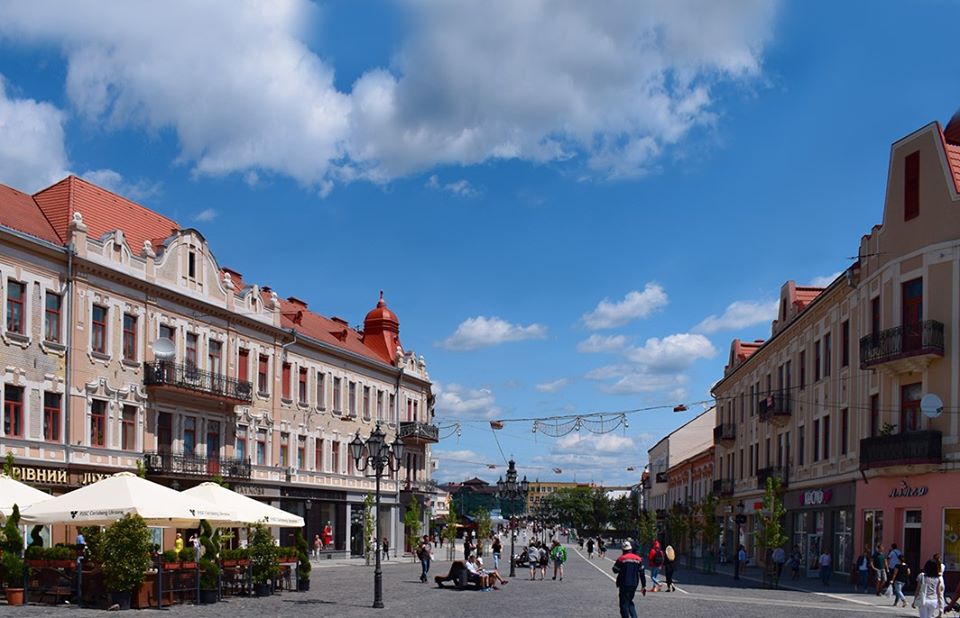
x: 805, y: 296
x: 19, y: 211
x: 326, y: 330
x: 103, y: 212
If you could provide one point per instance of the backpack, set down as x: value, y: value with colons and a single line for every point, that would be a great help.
x: 658, y: 558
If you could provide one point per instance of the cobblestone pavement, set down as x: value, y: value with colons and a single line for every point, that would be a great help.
x: 587, y: 590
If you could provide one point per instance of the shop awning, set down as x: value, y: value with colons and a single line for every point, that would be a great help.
x: 246, y: 510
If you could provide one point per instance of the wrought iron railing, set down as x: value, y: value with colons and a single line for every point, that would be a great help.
x: 196, y: 465
x: 913, y: 447
x: 725, y: 432
x: 723, y: 487
x: 773, y: 405
x: 419, y: 431
x: 902, y: 341
x: 771, y: 472
x: 181, y: 375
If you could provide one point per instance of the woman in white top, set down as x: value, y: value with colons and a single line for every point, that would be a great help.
x: 929, y: 595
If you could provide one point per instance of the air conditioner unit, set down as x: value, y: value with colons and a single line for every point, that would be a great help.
x: 291, y: 471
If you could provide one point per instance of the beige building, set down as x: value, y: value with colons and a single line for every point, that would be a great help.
x: 540, y: 490
x: 830, y: 403
x: 683, y: 443
x: 124, y: 341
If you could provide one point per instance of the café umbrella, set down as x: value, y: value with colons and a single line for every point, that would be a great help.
x: 124, y: 493
x: 245, y: 510
x: 13, y: 492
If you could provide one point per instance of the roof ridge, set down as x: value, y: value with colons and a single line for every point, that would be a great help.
x: 75, y: 178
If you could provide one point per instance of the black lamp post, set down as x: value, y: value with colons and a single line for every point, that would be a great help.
x: 377, y: 454
x: 740, y: 518
x: 510, y: 491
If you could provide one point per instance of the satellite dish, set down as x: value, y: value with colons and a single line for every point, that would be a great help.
x: 931, y: 406
x: 163, y: 349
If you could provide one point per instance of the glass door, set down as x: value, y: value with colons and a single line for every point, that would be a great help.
x: 912, y: 523
x: 213, y: 447
x: 912, y: 315
x: 813, y: 554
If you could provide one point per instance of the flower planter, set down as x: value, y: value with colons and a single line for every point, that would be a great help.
x: 303, y: 585
x: 261, y: 590
x: 14, y: 596
x: 121, y: 598
x: 35, y: 564
x: 244, y: 563
x: 208, y: 597
x: 188, y: 566
x: 229, y: 563
x: 171, y: 566
x: 61, y: 564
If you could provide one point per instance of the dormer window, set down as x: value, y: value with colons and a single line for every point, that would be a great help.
x: 911, y: 186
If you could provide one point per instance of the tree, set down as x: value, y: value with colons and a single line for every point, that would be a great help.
x: 484, y: 529
x: 8, y: 468
x: 13, y: 549
x: 369, y: 527
x: 126, y: 553
x: 647, y: 527
x: 622, y: 513
x: 449, y: 533
x: 771, y: 535
x: 711, y: 531
x: 678, y: 525
x: 411, y: 522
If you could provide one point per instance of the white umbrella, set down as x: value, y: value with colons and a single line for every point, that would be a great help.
x: 109, y: 499
x: 246, y: 510
x: 13, y: 492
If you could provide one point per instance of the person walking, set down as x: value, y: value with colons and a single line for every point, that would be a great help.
x: 900, y: 577
x: 533, y: 559
x: 559, y: 555
x: 496, y: 548
x: 796, y: 559
x: 723, y: 553
x: 879, y: 568
x: 779, y: 558
x: 742, y: 557
x: 826, y: 566
x: 629, y: 570
x: 385, y: 545
x: 544, y: 561
x: 601, y: 548
x: 863, y: 570
x: 590, y: 548
x: 467, y: 547
x: 669, y: 564
x: 317, y: 546
x: 655, y: 558
x: 425, y: 554
x: 929, y: 595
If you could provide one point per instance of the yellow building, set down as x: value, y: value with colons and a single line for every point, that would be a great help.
x: 541, y: 489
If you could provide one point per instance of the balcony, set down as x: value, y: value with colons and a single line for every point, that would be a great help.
x: 902, y: 449
x: 725, y: 433
x: 418, y: 433
x: 418, y: 486
x: 774, y: 408
x: 178, y: 464
x: 723, y: 487
x: 661, y: 477
x: 903, y: 349
x: 771, y: 472
x: 181, y: 377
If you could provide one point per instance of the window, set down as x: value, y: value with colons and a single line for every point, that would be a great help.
x: 164, y: 432
x: 379, y: 405
x: 284, y: 449
x: 873, y: 528
x: 788, y: 375
x: 335, y: 457
x: 803, y: 369
x: 51, y: 317
x: 240, y: 450
x: 215, y: 357
x: 911, y: 186
x: 285, y: 381
x: 129, y: 337
x: 845, y: 344
x: 875, y: 318
x: 51, y: 416
x: 801, y: 446
x: 243, y: 364
x: 816, y: 361
x: 16, y: 297
x: 337, y: 407
x: 352, y: 401
x: 263, y: 374
x: 409, y: 416
x: 301, y: 452
x: 13, y: 411
x: 302, y: 390
x: 166, y: 332
x: 366, y: 403
x: 416, y: 406
x: 98, y: 330
x: 393, y: 404
x: 827, y: 354
x: 318, y: 455
x: 191, y: 357
x: 98, y: 423
x: 261, y: 447
x: 874, y: 415
x: 189, y: 435
x: 951, y: 544
x: 816, y: 440
x: 826, y: 436
x: 910, y: 407
x: 844, y: 430
x: 129, y: 434
x: 192, y: 265
x: 321, y: 391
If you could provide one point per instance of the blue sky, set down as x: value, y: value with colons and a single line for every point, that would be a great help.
x: 526, y: 181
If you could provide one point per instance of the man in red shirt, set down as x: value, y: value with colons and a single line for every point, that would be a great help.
x: 629, y: 570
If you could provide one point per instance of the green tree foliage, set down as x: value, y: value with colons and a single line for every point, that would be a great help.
x: 209, y: 569
x: 622, y: 513
x: 93, y: 536
x: 12, y: 549
x: 263, y: 555
x: 484, y: 529
x: 8, y: 468
x: 126, y: 553
x: 369, y: 525
x: 678, y: 526
x: 771, y: 533
x: 412, y: 523
x: 303, y: 557
x: 647, y: 527
x: 711, y: 530
x: 449, y: 533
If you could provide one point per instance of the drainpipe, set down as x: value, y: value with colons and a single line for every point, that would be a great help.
x: 68, y: 353
x: 396, y: 416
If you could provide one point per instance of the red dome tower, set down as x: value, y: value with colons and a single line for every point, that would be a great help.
x: 381, y: 331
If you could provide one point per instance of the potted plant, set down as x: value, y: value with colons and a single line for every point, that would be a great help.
x: 243, y: 557
x: 61, y: 557
x: 303, y: 563
x: 209, y: 576
x: 126, y: 557
x: 35, y: 557
x: 229, y: 557
x: 188, y: 559
x: 263, y: 558
x: 170, y: 559
x: 12, y: 562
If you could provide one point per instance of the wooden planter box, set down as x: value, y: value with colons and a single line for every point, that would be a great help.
x: 229, y: 563
x: 188, y: 566
x: 61, y: 564
x: 171, y: 566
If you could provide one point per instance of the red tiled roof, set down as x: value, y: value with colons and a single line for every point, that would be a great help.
x: 324, y: 329
x: 953, y: 158
x: 102, y: 212
x: 18, y: 211
x: 805, y: 296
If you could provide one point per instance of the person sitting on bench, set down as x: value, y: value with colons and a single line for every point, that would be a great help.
x: 476, y: 575
x: 458, y: 575
x: 492, y: 576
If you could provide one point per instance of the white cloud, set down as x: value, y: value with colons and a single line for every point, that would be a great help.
x: 454, y: 400
x: 739, y: 314
x: 32, y: 152
x: 598, y: 457
x: 657, y: 366
x: 600, y: 343
x: 611, y: 85
x: 207, y: 214
x: 824, y: 281
x: 481, y: 332
x: 460, y: 188
x: 137, y: 190
x: 672, y: 353
x: 634, y: 306
x: 552, y: 387
x: 458, y: 465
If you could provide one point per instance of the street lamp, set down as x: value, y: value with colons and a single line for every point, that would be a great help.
x: 377, y: 454
x: 740, y: 518
x: 510, y: 490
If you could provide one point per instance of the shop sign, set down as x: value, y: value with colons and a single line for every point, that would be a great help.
x: 815, y: 497
x: 53, y: 476
x: 905, y: 491
x: 257, y: 490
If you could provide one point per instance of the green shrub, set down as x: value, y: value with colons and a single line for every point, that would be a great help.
x: 209, y: 572
x: 263, y: 555
x: 170, y: 556
x: 126, y: 553
x: 303, y: 557
x: 35, y: 552
x: 187, y: 554
x: 12, y: 549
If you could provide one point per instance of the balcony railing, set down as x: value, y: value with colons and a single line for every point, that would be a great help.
x: 661, y: 477
x: 900, y: 449
x: 910, y: 340
x: 196, y: 465
x: 419, y: 433
x: 771, y: 472
x: 419, y: 486
x: 723, y: 487
x: 188, y: 377
x: 774, y: 406
x: 727, y: 432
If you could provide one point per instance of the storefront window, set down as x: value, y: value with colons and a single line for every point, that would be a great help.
x: 873, y: 528
x: 842, y: 540
x: 951, y: 539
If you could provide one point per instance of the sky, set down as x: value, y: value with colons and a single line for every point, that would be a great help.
x: 572, y: 207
